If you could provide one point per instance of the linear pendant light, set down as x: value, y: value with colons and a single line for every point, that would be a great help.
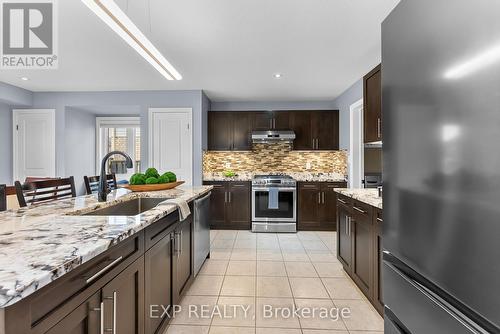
x: 116, y: 19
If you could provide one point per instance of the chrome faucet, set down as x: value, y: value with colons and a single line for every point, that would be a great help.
x: 103, y: 191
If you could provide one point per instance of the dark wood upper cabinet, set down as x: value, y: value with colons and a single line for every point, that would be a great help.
x: 220, y: 131
x: 301, y: 124
x: 315, y: 130
x: 326, y: 130
x: 230, y: 131
x: 372, y: 105
x: 281, y: 120
x: 242, y: 131
x: 262, y: 120
x: 271, y: 120
x: 317, y: 205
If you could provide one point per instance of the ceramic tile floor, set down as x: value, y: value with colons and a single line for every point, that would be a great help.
x: 282, y: 270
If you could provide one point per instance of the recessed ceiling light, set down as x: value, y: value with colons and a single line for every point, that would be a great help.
x: 116, y: 19
x: 24, y: 79
x: 277, y: 75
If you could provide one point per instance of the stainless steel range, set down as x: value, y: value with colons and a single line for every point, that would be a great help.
x: 274, y: 203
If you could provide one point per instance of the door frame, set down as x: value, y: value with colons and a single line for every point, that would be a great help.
x: 15, y: 144
x: 354, y: 108
x: 151, y: 112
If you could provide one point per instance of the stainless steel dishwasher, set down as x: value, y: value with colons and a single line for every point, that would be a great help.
x: 201, y: 231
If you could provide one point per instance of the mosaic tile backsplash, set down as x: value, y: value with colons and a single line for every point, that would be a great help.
x: 276, y: 158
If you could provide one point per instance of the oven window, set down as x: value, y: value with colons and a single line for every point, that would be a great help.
x: 285, y: 205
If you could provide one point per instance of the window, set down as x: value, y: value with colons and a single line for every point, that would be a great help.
x: 118, y: 134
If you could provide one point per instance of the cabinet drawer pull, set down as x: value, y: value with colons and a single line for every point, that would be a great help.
x: 358, y: 209
x: 342, y: 201
x: 379, y: 220
x: 103, y: 270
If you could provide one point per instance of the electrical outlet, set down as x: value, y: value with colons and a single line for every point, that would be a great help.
x: 227, y: 165
x: 308, y: 165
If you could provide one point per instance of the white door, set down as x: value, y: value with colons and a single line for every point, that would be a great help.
x: 170, y: 141
x: 34, y: 150
x: 356, y: 146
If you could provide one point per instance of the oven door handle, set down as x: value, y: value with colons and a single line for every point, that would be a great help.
x: 279, y: 189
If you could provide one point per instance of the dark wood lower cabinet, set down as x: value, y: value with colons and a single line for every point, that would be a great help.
x: 230, y: 205
x: 317, y: 205
x: 85, y: 319
x: 378, y: 299
x: 359, y: 246
x: 123, y: 291
x: 158, y: 287
x: 123, y: 301
x: 183, y: 268
x: 362, y: 248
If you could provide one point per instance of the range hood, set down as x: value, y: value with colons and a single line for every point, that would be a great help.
x: 271, y: 136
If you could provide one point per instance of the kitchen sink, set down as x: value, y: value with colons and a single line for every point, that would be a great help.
x: 129, y: 208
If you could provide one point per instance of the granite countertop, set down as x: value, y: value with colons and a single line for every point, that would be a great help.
x: 38, y: 244
x: 368, y: 196
x: 298, y: 176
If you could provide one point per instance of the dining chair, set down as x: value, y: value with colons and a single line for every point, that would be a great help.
x: 3, y: 197
x: 92, y: 183
x: 45, y: 190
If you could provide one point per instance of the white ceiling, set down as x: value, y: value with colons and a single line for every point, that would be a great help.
x: 229, y: 48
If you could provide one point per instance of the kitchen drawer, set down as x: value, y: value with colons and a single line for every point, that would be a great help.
x: 43, y: 302
x: 158, y: 230
x: 362, y: 209
x: 344, y: 200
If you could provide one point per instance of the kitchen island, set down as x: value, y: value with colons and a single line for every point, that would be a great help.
x: 62, y: 269
x: 359, y: 240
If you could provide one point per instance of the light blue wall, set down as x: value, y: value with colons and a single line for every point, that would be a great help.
x: 271, y: 105
x: 80, y: 146
x: 342, y: 103
x: 5, y: 144
x: 11, y: 97
x: 142, y: 99
x: 15, y: 96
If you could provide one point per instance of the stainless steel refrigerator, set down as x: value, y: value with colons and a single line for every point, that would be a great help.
x: 441, y: 132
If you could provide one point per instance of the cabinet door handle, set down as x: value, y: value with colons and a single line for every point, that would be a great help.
x: 379, y: 220
x: 113, y: 330
x: 314, y: 142
x: 349, y: 224
x: 102, y: 317
x: 379, y: 127
x: 319, y: 198
x: 317, y: 143
x: 177, y: 243
x: 271, y: 123
x: 225, y: 196
x: 323, y: 197
x: 358, y: 209
x: 103, y: 270
x: 229, y: 193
